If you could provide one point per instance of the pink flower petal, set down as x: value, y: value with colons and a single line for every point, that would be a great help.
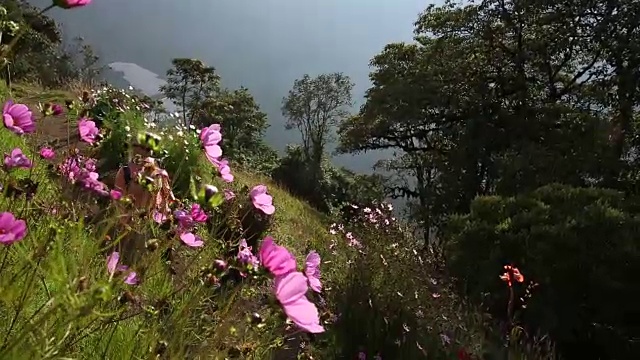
x: 312, y: 271
x: 277, y: 259
x: 191, y: 239
x: 132, y: 278
x: 112, y: 262
x: 290, y: 290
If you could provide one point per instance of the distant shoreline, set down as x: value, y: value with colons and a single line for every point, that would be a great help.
x: 143, y: 80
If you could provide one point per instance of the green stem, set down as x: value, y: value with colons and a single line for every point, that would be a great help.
x: 21, y: 306
x: 4, y: 258
x: 106, y: 348
x: 6, y: 348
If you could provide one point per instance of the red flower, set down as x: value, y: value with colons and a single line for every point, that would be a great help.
x: 464, y: 355
x: 511, y: 274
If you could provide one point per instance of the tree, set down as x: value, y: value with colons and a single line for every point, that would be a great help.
x: 190, y: 83
x: 495, y: 97
x: 315, y: 106
x: 499, y: 98
x: 86, y: 61
x: 243, y: 123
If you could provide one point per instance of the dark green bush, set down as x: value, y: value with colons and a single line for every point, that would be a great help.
x: 336, y: 188
x: 579, y: 244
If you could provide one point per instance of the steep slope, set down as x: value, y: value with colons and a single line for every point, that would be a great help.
x: 295, y: 224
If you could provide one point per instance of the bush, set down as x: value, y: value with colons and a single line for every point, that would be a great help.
x: 393, y: 303
x: 120, y: 117
x: 579, y: 244
x: 337, y: 187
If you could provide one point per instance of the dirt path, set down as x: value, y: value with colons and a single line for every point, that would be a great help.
x: 57, y: 132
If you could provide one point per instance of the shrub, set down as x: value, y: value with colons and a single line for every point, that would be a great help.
x: 337, y: 186
x: 391, y: 302
x: 579, y: 244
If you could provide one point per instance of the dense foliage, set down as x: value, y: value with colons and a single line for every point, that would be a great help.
x: 581, y: 248
x: 499, y: 99
x: 42, y: 55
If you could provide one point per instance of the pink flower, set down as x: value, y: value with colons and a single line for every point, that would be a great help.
x: 68, y: 4
x: 115, y: 194
x: 246, y: 256
x: 185, y: 221
x: 277, y: 259
x: 47, y: 153
x: 191, y: 240
x: 261, y: 200
x: 89, y: 180
x: 228, y: 194
x: 220, y: 264
x: 223, y: 168
x: 17, y: 160
x: 312, y: 271
x: 158, y: 217
x: 197, y: 214
x: 50, y: 109
x: 131, y: 278
x: 210, y: 137
x: 88, y: 130
x: 11, y: 229
x: 56, y: 109
x: 112, y: 262
x: 18, y: 118
x: 290, y: 290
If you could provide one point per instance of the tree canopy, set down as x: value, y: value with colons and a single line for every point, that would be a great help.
x: 495, y: 100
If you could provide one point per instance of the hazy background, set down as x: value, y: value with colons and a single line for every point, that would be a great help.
x: 263, y: 45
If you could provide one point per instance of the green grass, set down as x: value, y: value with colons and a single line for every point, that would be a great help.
x: 58, y: 300
x: 295, y: 223
x: 32, y: 94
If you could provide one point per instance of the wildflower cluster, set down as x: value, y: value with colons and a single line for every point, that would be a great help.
x: 102, y: 121
x: 187, y: 221
x: 78, y: 169
x: 18, y: 119
x: 377, y: 216
x: 108, y: 98
x: 290, y: 285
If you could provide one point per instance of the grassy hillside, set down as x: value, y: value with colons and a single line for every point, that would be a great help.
x: 298, y: 225
x: 59, y: 299
x: 61, y: 251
